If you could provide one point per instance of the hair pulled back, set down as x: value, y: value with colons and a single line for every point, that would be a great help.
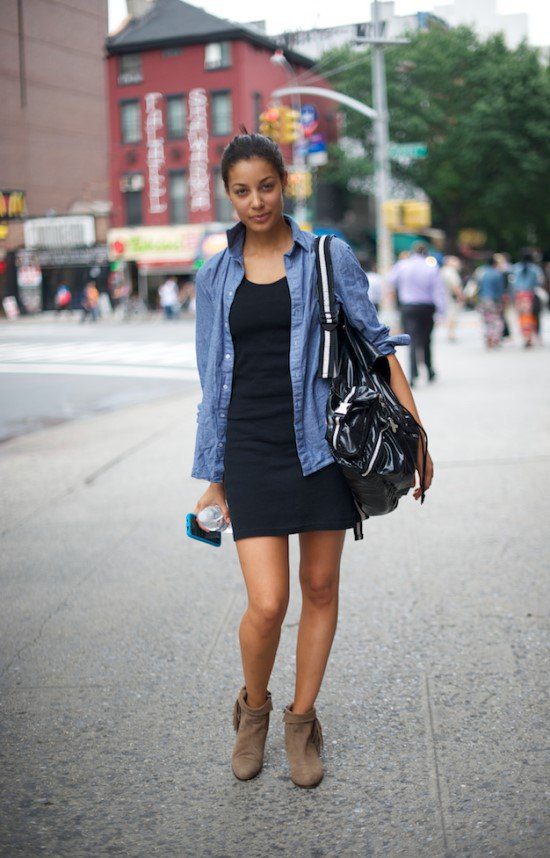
x: 245, y: 146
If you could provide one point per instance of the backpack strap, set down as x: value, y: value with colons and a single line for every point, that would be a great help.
x: 328, y: 312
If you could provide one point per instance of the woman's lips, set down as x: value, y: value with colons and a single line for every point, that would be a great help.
x: 260, y: 218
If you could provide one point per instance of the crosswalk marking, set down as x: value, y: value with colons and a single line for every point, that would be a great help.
x: 128, y: 358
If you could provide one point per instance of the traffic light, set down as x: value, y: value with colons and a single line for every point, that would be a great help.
x: 270, y: 123
x: 299, y: 184
x: 290, y: 121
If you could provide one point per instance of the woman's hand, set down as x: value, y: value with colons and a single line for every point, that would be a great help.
x: 429, y: 471
x: 214, y: 494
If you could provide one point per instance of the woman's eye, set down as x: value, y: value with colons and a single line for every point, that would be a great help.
x: 267, y: 187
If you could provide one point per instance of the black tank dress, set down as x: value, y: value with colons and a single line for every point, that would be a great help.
x: 267, y: 493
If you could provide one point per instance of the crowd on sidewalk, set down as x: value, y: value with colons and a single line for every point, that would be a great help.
x: 425, y: 291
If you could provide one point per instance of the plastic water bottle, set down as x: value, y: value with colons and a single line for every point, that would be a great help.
x: 211, y: 518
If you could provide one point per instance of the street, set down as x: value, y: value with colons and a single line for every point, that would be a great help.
x: 119, y: 651
x: 55, y: 369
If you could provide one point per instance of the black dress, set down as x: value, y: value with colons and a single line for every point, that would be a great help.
x: 267, y: 493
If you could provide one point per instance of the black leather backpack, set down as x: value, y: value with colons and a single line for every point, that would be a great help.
x: 373, y: 438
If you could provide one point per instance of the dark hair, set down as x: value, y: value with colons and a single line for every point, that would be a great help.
x: 493, y: 260
x: 245, y: 146
x: 420, y: 247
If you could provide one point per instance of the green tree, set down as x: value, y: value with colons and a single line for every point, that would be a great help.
x: 484, y: 112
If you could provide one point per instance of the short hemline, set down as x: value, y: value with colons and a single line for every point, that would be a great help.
x: 286, y: 531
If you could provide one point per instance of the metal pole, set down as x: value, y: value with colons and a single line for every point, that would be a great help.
x: 384, y: 250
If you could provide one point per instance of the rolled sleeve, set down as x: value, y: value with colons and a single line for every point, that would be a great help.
x: 351, y: 289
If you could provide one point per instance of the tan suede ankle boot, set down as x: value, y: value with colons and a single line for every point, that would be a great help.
x: 251, y: 726
x: 303, y: 743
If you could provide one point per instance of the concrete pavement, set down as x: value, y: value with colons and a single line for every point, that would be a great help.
x: 120, y: 659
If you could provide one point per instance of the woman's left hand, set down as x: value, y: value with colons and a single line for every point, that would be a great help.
x: 429, y: 472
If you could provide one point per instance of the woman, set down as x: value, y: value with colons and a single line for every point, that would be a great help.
x: 526, y: 277
x: 491, y: 295
x: 260, y: 439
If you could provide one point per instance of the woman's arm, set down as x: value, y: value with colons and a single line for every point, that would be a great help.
x: 400, y: 386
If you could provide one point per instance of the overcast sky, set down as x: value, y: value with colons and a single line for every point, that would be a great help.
x: 289, y: 15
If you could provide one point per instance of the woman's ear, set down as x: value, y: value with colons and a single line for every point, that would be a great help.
x: 284, y: 181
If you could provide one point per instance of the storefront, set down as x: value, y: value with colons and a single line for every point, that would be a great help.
x: 155, y: 253
x: 59, y: 251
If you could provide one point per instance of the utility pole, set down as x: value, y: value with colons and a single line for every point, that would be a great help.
x: 382, y: 174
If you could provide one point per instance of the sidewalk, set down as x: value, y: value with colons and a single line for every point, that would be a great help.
x: 120, y: 658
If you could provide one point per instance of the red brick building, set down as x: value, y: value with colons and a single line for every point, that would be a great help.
x: 180, y: 83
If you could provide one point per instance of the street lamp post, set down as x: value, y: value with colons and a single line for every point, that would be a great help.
x: 298, y: 154
x: 382, y: 175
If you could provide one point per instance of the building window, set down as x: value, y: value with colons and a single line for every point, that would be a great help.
x: 177, y: 188
x: 217, y: 55
x: 175, y: 116
x: 130, y: 121
x: 256, y: 110
x: 133, y: 206
x: 222, y: 114
x: 223, y: 205
x: 129, y: 69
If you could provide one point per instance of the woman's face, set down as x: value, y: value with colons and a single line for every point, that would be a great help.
x: 256, y: 191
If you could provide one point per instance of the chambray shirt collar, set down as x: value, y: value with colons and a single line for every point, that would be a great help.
x: 236, y: 234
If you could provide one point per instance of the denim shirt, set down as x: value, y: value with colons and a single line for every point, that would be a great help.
x: 215, y: 287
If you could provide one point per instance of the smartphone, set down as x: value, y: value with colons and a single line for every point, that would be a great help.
x: 211, y: 537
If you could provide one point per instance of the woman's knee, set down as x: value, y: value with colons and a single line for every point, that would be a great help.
x: 320, y: 589
x: 268, y: 613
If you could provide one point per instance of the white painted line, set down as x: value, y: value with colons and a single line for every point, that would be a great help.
x: 104, y: 370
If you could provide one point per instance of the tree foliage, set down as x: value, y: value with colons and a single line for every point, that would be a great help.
x: 484, y: 112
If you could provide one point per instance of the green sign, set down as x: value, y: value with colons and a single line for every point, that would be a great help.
x: 409, y: 151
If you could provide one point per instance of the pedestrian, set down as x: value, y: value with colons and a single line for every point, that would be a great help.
x: 491, y: 285
x: 169, y: 298
x: 504, y: 265
x: 63, y: 298
x: 90, y: 302
x: 526, y: 278
x: 261, y: 439
x: 375, y: 285
x: 450, y: 274
x: 421, y: 293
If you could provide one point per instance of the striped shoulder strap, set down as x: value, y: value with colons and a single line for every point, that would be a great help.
x: 328, y: 313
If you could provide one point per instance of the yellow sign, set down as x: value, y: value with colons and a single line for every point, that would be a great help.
x: 472, y: 237
x: 405, y: 215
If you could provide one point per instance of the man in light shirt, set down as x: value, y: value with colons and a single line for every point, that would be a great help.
x: 169, y: 298
x: 421, y: 294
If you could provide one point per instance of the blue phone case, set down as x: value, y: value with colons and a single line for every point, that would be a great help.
x: 215, y: 540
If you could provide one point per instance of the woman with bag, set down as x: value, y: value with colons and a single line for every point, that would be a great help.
x: 261, y: 439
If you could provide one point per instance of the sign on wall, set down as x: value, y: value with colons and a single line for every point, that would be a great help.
x: 155, y: 244
x: 154, y: 138
x: 199, y: 178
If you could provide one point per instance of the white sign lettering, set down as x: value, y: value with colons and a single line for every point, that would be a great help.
x: 155, y: 153
x: 199, y: 178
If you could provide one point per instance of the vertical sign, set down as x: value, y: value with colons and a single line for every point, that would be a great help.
x: 199, y: 178
x: 155, y: 153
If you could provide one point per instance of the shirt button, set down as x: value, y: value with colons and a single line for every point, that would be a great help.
x: 227, y: 357
x: 230, y: 293
x: 220, y: 443
x: 225, y: 387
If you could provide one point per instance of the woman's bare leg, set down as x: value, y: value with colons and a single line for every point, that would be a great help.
x: 265, y: 566
x: 320, y: 553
